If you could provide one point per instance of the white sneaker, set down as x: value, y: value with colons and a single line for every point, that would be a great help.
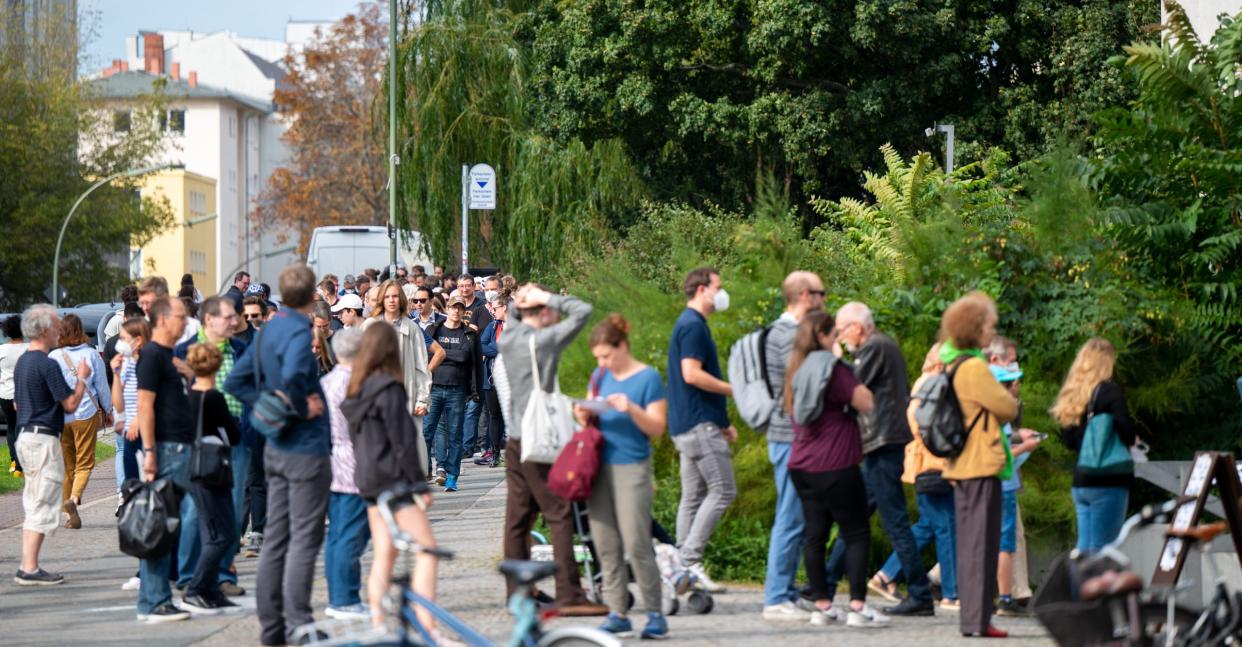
x: 867, y: 617
x: 703, y: 581
x: 132, y: 584
x: 820, y: 618
x: 358, y: 611
x: 785, y: 612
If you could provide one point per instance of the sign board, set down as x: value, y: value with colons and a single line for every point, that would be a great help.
x: 482, y: 187
x: 1210, y: 468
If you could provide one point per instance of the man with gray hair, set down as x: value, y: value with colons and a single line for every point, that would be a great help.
x: 881, y: 367
x: 804, y: 293
x: 42, y: 397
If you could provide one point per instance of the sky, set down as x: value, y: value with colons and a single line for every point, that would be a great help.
x: 113, y: 20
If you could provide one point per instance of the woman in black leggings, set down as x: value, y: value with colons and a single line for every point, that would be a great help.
x: 489, y: 342
x: 823, y: 397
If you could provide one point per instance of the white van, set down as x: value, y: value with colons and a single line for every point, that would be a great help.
x: 351, y: 249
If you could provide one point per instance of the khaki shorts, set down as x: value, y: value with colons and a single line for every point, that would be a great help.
x: 44, y: 467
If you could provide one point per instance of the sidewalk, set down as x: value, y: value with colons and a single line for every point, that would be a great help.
x: 90, y: 607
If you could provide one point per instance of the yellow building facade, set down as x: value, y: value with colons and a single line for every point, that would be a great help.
x: 189, y: 245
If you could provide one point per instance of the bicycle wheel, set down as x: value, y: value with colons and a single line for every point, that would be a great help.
x: 578, y: 637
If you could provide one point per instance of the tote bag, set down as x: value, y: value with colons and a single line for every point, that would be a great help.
x: 1102, y: 452
x: 548, y: 421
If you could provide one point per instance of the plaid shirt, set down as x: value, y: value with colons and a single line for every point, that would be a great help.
x: 226, y: 367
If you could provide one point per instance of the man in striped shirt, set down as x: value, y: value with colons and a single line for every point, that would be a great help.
x: 219, y: 319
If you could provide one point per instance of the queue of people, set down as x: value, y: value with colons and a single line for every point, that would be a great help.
x: 391, y: 382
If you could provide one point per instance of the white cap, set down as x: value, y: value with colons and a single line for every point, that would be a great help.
x: 351, y: 301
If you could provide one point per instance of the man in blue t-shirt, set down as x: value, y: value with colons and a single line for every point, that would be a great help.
x: 42, y: 398
x: 699, y: 422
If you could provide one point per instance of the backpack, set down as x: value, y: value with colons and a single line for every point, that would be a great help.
x: 939, y: 415
x: 748, y: 373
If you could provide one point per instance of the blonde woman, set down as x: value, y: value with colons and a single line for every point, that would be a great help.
x: 1100, y: 500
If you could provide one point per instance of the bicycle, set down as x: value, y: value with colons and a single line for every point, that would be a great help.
x: 402, y: 602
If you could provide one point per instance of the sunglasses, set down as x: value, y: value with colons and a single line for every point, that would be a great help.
x: 254, y: 316
x: 418, y: 300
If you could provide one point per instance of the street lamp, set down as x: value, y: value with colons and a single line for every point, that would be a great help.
x: 61, y: 238
x: 947, y: 129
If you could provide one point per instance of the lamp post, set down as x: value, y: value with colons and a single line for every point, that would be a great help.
x: 393, y: 160
x: 947, y: 129
x: 61, y: 238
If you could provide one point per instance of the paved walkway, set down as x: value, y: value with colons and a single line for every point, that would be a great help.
x: 91, y: 609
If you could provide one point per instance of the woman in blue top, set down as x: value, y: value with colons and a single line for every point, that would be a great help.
x: 632, y: 411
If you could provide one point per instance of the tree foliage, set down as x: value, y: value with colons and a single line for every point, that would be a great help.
x: 337, y: 171
x: 55, y: 141
x: 464, y: 78
x: 702, y: 93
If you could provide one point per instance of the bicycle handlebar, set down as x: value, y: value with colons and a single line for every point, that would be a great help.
x: 385, y: 503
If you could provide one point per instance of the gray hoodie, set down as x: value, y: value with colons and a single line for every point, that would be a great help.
x: 809, y: 385
x: 779, y: 346
x: 550, y: 342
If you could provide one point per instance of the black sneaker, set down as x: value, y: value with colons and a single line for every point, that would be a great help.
x: 38, y: 578
x: 912, y: 607
x: 199, y: 605
x: 1011, y: 608
x: 163, y: 613
x: 222, y: 602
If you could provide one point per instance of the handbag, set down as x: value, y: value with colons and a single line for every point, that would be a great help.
x: 1102, y: 452
x: 572, y: 476
x: 149, y: 518
x: 548, y: 421
x: 272, y: 411
x: 211, y: 464
x: 932, y: 482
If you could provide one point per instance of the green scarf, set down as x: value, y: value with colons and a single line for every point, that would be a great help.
x: 949, y: 354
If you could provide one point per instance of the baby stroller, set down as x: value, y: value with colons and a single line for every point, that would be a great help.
x: 676, y: 581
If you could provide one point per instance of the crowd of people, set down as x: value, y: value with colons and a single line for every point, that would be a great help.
x: 393, y: 380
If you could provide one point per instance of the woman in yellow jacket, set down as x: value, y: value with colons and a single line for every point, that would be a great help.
x: 924, y: 470
x: 967, y: 326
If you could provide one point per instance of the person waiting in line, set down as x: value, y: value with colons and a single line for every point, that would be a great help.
x: 489, y: 344
x: 934, y: 495
x: 217, y: 522
x: 348, y: 531
x: 9, y: 352
x: 1021, y: 443
x: 134, y: 333
x: 635, y: 412
x: 385, y: 441
x: 348, y: 310
x: 823, y: 398
x: 82, y: 427
x: 1099, y: 500
x: 456, y: 381
x: 967, y: 326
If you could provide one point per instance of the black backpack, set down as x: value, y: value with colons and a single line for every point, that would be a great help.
x: 939, y: 415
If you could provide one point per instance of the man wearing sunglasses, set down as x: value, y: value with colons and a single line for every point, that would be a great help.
x: 254, y: 311
x: 423, y: 311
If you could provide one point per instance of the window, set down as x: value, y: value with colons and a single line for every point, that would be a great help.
x: 198, y: 263
x: 232, y: 126
x: 120, y: 121
x: 233, y: 181
x: 174, y: 121
x: 198, y: 203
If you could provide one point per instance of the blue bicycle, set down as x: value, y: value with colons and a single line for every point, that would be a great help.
x: 403, y: 601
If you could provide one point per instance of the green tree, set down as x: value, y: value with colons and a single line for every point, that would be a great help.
x: 54, y: 143
x: 465, y: 100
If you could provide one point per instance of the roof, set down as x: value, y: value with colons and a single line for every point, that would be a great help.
x: 132, y: 84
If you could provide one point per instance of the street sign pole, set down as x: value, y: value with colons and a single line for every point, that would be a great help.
x: 465, y: 218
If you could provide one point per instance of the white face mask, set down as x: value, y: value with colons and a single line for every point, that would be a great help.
x: 124, y: 349
x: 489, y: 295
x: 721, y: 301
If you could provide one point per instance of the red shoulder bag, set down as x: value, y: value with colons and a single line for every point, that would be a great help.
x: 573, y: 474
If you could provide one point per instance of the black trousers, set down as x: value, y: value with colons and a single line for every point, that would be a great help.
x: 255, y: 508
x: 217, y: 529
x: 10, y: 434
x: 840, y: 496
x: 495, y: 422
x: 977, y: 504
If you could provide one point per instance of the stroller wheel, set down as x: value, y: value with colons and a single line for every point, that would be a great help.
x: 670, y: 605
x: 629, y: 600
x: 700, y: 602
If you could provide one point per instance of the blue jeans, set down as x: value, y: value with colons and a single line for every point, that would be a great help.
x: 173, y: 462
x: 936, y: 523
x: 785, y: 546
x: 882, y: 470
x: 1009, y: 521
x: 348, y: 533
x: 470, y: 426
x: 1101, y: 512
x: 191, y: 546
x: 442, y: 427
x: 126, y: 459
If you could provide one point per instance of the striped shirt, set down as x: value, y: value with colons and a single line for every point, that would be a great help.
x: 129, y: 390
x: 334, y: 384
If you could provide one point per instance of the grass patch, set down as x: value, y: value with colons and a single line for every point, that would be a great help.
x: 10, y: 483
